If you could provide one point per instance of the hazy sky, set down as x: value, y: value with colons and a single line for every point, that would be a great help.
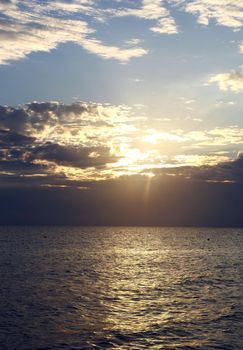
x: 93, y: 91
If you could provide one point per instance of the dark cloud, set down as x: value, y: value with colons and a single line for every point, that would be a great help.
x: 19, y: 166
x: 230, y: 171
x: 125, y: 202
x: 36, y: 116
x: 22, y: 153
x: 227, y: 171
x: 13, y: 138
x: 80, y: 157
x: 56, y: 107
x: 14, y: 119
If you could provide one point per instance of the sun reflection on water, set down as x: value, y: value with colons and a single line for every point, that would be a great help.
x: 128, y: 288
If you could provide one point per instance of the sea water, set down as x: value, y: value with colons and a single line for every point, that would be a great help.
x: 121, y: 288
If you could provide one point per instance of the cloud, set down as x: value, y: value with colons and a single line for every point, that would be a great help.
x: 229, y: 171
x: 41, y: 27
x: 165, y: 26
x: 226, y: 171
x: 72, y: 156
x: 229, y: 81
x: 241, y: 47
x: 148, y: 10
x: 156, y: 11
x: 108, y: 52
x: 223, y: 12
x: 76, y: 141
x: 33, y: 28
x: 13, y: 138
x: 62, y: 144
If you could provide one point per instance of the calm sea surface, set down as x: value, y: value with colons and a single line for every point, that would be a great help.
x: 121, y: 288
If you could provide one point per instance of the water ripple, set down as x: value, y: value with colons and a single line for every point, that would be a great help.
x: 121, y: 288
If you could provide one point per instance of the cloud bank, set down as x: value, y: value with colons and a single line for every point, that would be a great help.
x: 53, y: 144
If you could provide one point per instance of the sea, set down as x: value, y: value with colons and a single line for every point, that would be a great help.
x: 121, y: 288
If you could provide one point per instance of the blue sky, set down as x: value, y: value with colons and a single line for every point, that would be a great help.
x: 165, y: 77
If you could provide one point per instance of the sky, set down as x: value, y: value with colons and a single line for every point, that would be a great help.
x: 123, y: 111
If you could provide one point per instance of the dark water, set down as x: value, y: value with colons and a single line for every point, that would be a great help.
x: 121, y: 288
